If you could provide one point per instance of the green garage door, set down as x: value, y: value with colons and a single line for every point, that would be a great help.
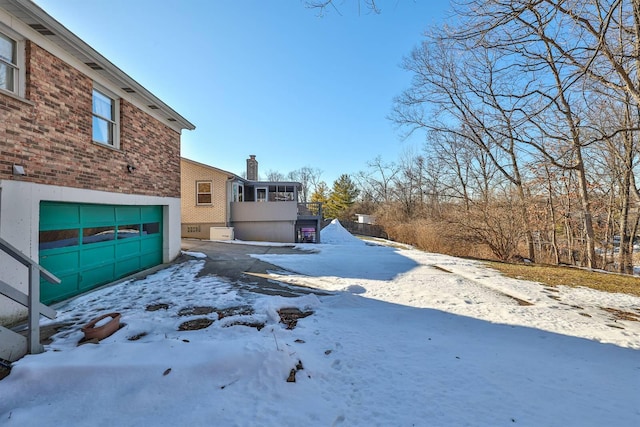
x: 89, y: 245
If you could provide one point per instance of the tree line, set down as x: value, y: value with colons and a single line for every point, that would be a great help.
x: 530, y: 109
x: 530, y: 112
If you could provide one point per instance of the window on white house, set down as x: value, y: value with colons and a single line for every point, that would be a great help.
x: 8, y: 64
x: 261, y: 194
x: 105, y: 114
x: 204, y: 190
x: 281, y: 193
x: 238, y: 190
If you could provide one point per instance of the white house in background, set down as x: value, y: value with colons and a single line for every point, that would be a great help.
x: 366, y: 219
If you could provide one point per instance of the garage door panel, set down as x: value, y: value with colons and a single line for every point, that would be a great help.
x: 92, y: 277
x: 150, y: 244
x: 97, y: 254
x: 124, y: 267
x: 150, y: 260
x: 63, y: 262
x: 56, y: 217
x: 127, y: 214
x: 65, y: 289
x: 106, y: 242
x: 98, y: 214
x: 127, y: 248
x: 151, y: 213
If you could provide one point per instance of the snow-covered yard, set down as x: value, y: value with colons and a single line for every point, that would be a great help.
x: 405, y: 338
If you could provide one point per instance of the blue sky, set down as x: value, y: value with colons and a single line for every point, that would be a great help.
x: 269, y: 78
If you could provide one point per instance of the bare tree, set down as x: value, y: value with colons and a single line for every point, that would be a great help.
x: 377, y: 180
x: 551, y: 205
x: 495, y: 223
x: 557, y: 53
x: 593, y: 45
x: 275, y: 176
x: 476, y: 99
x: 620, y: 160
x: 322, y: 5
x: 455, y: 159
x: 309, y: 178
x: 409, y: 183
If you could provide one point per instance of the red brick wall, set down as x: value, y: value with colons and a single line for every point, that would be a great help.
x: 51, y: 136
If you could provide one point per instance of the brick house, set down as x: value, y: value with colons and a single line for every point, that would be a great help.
x: 89, y: 161
x: 220, y: 205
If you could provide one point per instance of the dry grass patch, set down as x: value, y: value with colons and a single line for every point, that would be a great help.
x: 570, y: 276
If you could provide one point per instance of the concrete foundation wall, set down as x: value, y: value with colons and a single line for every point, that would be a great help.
x: 198, y: 230
x: 20, y: 218
x: 270, y: 231
x: 264, y: 211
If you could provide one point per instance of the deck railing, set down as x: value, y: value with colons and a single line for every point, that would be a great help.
x: 310, y: 209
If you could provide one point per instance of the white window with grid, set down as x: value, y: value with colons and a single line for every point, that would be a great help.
x: 11, y: 62
x: 106, y: 115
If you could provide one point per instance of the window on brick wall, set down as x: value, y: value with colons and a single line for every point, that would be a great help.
x: 11, y: 62
x: 105, y: 118
x: 204, y: 193
x: 8, y: 63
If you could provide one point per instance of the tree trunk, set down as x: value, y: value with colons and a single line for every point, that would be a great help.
x: 552, y: 219
x: 590, y: 251
x: 624, y: 259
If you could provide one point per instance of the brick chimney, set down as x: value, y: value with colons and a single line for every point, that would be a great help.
x: 252, y: 168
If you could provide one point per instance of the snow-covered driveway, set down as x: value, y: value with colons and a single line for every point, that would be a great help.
x: 414, y: 278
x: 401, y: 342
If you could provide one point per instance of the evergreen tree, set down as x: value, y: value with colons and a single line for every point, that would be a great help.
x: 343, y: 196
x: 320, y: 194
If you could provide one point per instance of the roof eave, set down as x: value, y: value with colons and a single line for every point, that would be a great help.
x: 81, y: 50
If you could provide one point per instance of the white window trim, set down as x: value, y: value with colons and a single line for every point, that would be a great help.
x: 238, y: 188
x: 266, y: 194
x: 198, y: 192
x: 21, y: 75
x: 116, y: 115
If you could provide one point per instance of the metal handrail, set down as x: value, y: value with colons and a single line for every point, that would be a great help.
x: 32, y: 300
